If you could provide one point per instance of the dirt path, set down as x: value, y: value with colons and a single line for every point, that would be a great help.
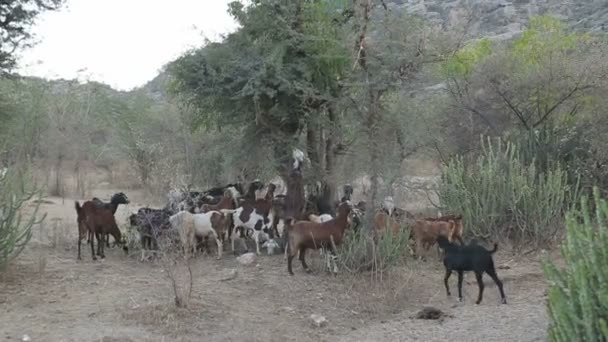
x: 49, y: 296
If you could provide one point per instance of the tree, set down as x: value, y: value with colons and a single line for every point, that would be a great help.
x: 16, y: 19
x: 547, y: 76
x: 275, y: 78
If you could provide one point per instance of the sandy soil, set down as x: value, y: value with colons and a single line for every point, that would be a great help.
x: 50, y: 296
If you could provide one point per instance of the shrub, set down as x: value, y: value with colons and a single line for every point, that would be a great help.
x: 578, y: 295
x: 500, y: 195
x: 15, y: 229
x: 359, y: 253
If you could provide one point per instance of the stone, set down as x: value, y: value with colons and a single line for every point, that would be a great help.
x: 318, y: 320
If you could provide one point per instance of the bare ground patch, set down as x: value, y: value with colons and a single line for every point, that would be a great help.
x: 50, y: 296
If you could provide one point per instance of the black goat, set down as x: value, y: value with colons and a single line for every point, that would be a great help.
x: 471, y: 257
x: 115, y: 201
x: 150, y: 223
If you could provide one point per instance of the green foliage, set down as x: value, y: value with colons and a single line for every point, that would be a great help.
x: 578, y: 295
x: 545, y: 37
x: 499, y: 195
x: 16, y: 191
x: 463, y: 62
x: 359, y: 253
x: 16, y: 19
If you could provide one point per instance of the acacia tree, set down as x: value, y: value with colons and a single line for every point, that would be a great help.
x: 274, y: 79
x: 16, y: 19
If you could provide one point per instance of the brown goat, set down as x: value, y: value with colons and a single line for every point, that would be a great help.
x: 426, y: 231
x: 227, y: 202
x: 303, y: 235
x: 382, y: 222
x: 99, y: 222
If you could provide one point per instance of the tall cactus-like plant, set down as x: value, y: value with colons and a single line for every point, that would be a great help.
x: 500, y: 195
x: 16, y: 227
x: 578, y: 295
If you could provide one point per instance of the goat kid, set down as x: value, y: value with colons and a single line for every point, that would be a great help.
x: 472, y: 257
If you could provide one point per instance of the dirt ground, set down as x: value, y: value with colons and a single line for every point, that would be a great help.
x: 50, y: 296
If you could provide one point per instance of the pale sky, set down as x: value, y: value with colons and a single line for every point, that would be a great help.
x: 123, y: 43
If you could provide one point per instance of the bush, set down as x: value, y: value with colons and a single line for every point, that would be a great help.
x: 15, y: 231
x: 500, y: 195
x: 578, y: 295
x: 359, y: 253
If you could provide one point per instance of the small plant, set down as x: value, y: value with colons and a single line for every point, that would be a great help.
x: 360, y: 253
x: 15, y: 229
x: 578, y: 295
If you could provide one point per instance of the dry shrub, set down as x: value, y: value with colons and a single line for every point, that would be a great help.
x: 177, y: 269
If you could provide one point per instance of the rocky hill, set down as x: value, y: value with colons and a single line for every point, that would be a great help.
x: 503, y: 19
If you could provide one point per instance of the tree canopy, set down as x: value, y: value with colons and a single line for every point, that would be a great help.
x: 16, y: 19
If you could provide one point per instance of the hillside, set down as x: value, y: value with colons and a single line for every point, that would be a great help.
x: 502, y: 19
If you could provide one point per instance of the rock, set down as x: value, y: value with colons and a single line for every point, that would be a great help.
x: 318, y: 320
x: 288, y: 309
x: 246, y: 259
x: 26, y: 338
x: 231, y: 274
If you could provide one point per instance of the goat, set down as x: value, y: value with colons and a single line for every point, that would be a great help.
x: 228, y: 201
x: 255, y: 216
x: 150, y: 224
x: 98, y: 222
x: 388, y: 205
x: 348, y: 193
x: 295, y: 200
x: 382, y: 222
x: 303, y: 235
x: 456, y: 232
x: 472, y: 257
x: 191, y: 226
x: 426, y: 231
x: 115, y: 201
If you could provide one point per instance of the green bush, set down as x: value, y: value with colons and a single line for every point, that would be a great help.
x: 501, y: 196
x: 578, y: 294
x: 15, y: 230
x: 359, y: 253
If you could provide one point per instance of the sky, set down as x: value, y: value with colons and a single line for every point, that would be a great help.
x: 123, y: 43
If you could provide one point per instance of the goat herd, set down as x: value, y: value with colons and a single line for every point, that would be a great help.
x: 296, y: 222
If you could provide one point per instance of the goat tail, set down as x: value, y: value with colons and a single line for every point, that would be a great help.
x: 495, y: 248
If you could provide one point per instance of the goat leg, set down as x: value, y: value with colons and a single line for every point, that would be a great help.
x: 448, y: 273
x: 289, y: 259
x: 101, y: 245
x: 93, y: 248
x: 220, y: 247
x: 460, y: 278
x: 256, y: 238
x: 79, y: 242
x: 303, y: 260
x: 479, y: 277
x: 492, y: 273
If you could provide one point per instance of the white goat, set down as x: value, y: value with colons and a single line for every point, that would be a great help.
x: 190, y: 226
